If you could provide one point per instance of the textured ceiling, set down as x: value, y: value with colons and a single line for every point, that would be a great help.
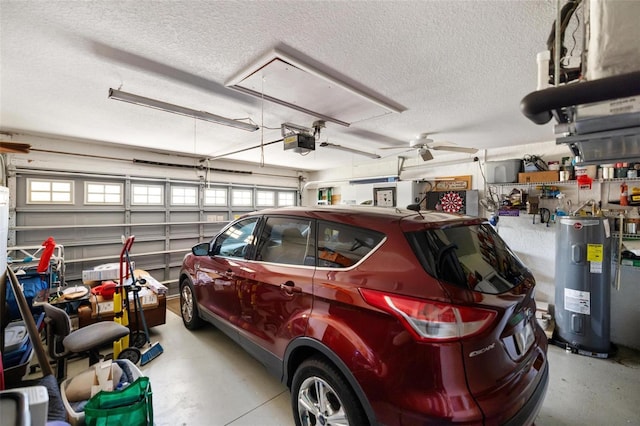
x: 460, y: 68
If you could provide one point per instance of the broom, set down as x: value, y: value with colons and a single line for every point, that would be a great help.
x: 155, y: 349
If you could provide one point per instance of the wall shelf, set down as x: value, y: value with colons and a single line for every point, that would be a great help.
x: 618, y: 180
x: 626, y: 236
x: 564, y: 182
x: 554, y: 183
x: 603, y: 190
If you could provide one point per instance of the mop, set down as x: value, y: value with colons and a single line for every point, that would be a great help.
x: 154, y: 350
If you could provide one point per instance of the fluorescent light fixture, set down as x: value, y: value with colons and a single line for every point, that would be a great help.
x: 434, y: 164
x: 347, y: 149
x: 175, y: 109
x: 422, y: 170
x: 381, y: 179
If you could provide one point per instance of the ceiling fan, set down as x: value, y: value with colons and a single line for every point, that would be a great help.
x: 423, y: 145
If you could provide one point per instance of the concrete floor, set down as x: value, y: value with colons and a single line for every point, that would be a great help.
x: 204, y: 378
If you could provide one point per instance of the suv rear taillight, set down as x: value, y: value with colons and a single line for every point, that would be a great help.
x: 431, y: 321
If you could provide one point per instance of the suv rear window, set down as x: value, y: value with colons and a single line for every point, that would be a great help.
x: 473, y: 257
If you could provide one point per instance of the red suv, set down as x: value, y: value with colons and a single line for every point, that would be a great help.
x: 376, y: 315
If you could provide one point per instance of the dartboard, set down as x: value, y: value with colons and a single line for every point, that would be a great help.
x: 451, y: 202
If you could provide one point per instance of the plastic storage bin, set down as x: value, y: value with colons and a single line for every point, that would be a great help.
x: 15, y: 337
x: 76, y: 418
x: 505, y: 171
x: 18, y: 351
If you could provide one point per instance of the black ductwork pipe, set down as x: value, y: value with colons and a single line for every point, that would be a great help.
x: 539, y: 106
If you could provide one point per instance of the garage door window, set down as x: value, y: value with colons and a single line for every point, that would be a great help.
x: 147, y: 194
x: 49, y: 191
x: 103, y: 193
x: 241, y: 197
x: 215, y: 197
x: 286, y: 199
x: 184, y: 196
x: 265, y: 198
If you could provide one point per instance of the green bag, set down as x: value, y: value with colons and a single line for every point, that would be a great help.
x: 131, y: 406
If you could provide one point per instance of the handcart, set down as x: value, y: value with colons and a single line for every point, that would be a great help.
x: 137, y: 339
x: 122, y: 348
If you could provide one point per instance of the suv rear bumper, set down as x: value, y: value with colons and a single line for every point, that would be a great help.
x: 528, y: 413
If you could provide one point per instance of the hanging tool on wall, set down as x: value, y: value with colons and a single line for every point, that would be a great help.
x: 545, y: 215
x: 533, y: 207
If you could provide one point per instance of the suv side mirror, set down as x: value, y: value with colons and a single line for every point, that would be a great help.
x: 201, y: 249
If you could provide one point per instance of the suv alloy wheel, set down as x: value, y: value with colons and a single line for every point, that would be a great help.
x: 320, y: 396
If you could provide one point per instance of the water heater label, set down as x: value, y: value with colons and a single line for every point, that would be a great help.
x: 577, y: 301
x: 595, y: 252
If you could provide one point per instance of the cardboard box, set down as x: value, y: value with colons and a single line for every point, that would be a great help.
x: 148, y: 298
x: 101, y: 306
x: 155, y: 315
x: 108, y: 271
x: 539, y: 177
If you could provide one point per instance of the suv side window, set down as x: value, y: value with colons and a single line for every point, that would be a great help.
x: 287, y: 240
x: 341, y: 246
x: 236, y: 239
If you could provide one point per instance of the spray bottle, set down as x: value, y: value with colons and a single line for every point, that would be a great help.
x: 624, y: 194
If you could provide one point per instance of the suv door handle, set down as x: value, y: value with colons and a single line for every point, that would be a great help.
x: 228, y: 273
x: 290, y: 287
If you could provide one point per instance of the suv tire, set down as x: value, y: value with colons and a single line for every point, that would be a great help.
x: 337, y: 405
x: 189, y: 306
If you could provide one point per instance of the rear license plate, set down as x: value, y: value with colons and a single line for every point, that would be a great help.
x: 524, y: 338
